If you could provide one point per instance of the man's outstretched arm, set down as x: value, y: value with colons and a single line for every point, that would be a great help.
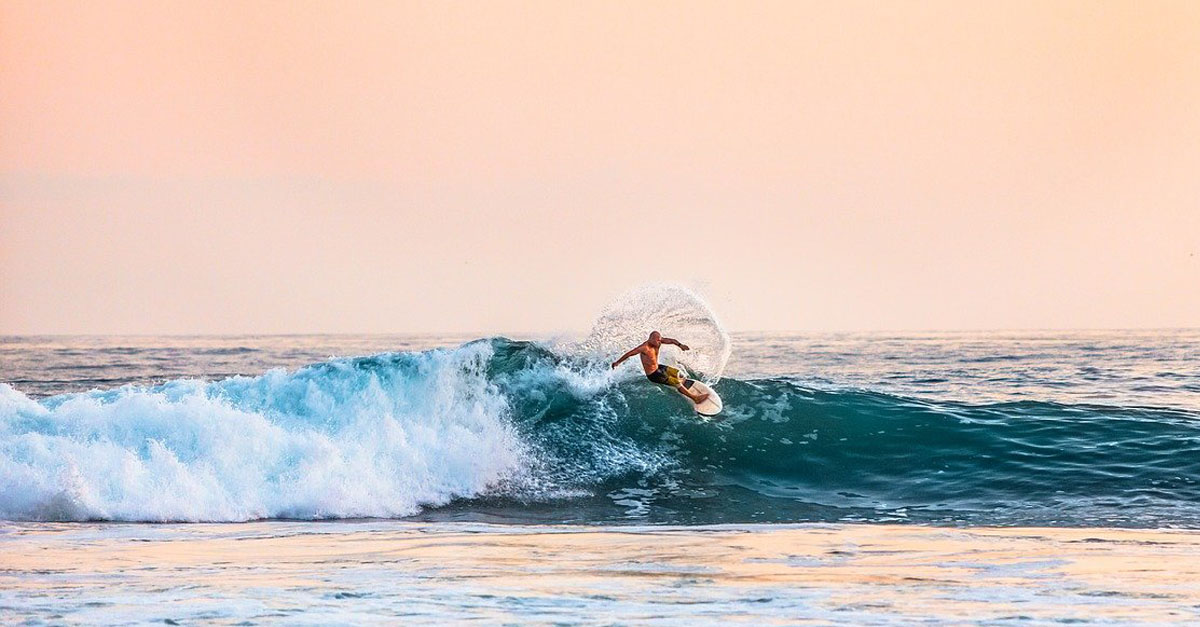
x: 633, y: 351
x: 668, y: 340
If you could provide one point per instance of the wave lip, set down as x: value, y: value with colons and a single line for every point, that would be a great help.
x: 382, y: 436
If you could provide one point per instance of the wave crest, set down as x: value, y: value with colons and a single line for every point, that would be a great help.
x: 381, y: 436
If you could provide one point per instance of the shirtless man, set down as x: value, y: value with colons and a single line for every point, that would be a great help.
x: 663, y: 375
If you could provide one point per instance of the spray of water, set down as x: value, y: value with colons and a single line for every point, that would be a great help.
x: 676, y: 312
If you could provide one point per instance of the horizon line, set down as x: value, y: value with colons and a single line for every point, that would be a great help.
x: 511, y: 333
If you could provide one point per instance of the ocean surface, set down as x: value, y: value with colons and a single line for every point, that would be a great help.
x: 374, y: 461
x: 1058, y: 429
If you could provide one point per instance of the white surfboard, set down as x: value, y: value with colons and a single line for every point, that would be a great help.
x: 711, y: 405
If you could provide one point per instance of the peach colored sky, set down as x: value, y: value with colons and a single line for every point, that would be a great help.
x: 173, y: 167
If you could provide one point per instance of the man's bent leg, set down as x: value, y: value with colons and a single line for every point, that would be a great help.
x: 696, y: 397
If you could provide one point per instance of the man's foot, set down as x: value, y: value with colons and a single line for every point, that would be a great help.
x: 696, y: 398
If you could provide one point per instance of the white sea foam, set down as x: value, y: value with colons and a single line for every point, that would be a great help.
x: 381, y: 436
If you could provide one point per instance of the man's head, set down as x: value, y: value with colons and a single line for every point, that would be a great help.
x: 655, y: 339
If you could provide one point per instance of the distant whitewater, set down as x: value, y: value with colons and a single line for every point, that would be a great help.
x: 975, y: 430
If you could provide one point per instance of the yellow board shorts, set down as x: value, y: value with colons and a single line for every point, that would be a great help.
x: 666, y: 375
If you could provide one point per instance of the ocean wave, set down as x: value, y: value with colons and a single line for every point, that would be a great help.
x: 516, y: 429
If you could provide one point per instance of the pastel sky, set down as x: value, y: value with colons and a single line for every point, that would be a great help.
x: 272, y: 167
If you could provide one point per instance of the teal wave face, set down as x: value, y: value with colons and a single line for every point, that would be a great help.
x: 784, y: 452
x: 512, y: 431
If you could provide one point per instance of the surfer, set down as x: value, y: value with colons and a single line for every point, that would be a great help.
x: 662, y: 375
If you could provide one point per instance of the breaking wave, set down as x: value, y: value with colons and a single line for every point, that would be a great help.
x: 508, y: 430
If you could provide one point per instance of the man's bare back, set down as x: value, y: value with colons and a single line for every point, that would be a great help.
x: 664, y: 375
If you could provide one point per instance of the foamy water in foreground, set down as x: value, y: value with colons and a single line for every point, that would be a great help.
x: 386, y: 571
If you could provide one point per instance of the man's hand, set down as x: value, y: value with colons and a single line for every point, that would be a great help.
x: 615, y: 364
x: 684, y: 347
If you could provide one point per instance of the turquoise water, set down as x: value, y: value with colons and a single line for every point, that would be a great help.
x: 1036, y: 428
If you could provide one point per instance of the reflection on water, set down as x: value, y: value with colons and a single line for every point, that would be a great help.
x: 379, y: 570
